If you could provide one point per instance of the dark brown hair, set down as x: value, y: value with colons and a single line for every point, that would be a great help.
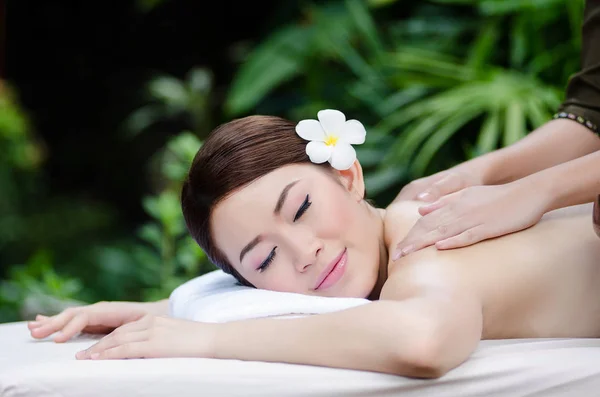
x: 235, y: 154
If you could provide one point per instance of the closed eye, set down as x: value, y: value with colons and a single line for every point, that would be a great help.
x: 303, y: 207
x: 268, y: 261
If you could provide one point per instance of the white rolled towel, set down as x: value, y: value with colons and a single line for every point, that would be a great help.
x: 217, y: 297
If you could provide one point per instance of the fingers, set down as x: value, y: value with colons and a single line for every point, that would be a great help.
x: 115, y: 345
x: 422, y: 236
x: 39, y: 321
x: 53, y: 324
x: 436, y: 205
x: 73, y: 327
x: 410, y: 191
x: 126, y: 334
x: 464, y: 239
x: 129, y: 350
x: 448, y: 184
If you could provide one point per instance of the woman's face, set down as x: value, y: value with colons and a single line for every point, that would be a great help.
x: 298, y: 229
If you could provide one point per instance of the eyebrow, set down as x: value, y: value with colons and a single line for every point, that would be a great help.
x: 282, y: 197
x: 276, y: 211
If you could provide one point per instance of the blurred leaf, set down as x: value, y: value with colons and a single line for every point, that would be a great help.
x: 366, y: 25
x: 150, y: 204
x: 450, y: 127
x: 380, y: 3
x: 380, y: 180
x: 518, y: 38
x: 369, y: 157
x: 170, y: 91
x: 200, y: 80
x: 152, y: 234
x: 515, y: 124
x: 143, y: 118
x: 482, y: 49
x: 490, y: 133
x: 538, y: 114
x: 494, y: 7
x: 274, y: 62
x: 148, y: 5
x: 185, y: 146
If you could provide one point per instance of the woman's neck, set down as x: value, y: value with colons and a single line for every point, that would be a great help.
x: 378, y: 215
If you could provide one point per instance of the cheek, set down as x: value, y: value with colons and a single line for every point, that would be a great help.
x: 340, y: 217
x: 280, y: 278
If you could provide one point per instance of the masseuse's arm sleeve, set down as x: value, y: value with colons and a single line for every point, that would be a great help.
x: 583, y: 90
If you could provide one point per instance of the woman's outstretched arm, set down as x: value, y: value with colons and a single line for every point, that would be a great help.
x: 424, y: 336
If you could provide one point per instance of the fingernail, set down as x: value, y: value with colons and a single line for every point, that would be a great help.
x: 408, y: 250
x: 80, y: 354
x: 40, y: 317
x: 95, y: 356
x: 397, y: 255
x: 58, y: 335
x: 425, y: 196
x: 34, y: 323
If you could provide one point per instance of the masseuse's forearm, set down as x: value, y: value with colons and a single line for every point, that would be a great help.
x: 394, y: 337
x: 571, y: 183
x: 555, y: 142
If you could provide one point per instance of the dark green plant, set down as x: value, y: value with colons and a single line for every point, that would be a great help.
x: 36, y: 287
x: 170, y: 256
x: 171, y: 99
x: 455, y: 79
x: 147, y: 266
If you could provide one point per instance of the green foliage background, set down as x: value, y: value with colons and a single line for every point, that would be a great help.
x: 446, y: 81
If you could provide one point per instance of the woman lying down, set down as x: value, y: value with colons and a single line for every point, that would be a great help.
x: 282, y: 207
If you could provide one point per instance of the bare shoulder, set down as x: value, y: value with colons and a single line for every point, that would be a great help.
x: 399, y: 217
x: 423, y: 270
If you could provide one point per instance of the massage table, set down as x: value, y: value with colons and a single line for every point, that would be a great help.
x: 515, y: 368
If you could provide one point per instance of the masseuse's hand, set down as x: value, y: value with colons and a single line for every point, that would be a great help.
x: 155, y: 337
x: 474, y: 214
x: 435, y: 186
x: 99, y: 318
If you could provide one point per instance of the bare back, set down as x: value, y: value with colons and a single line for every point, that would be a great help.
x: 540, y: 282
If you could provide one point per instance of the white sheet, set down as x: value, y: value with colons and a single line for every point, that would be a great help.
x: 516, y: 368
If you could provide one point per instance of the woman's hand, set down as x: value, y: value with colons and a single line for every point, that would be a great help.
x: 99, y: 318
x: 155, y: 337
x: 474, y: 214
x: 436, y: 186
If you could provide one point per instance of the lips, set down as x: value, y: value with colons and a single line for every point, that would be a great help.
x: 326, y: 277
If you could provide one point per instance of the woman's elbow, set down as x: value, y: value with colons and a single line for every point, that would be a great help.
x: 434, y: 353
x: 425, y: 360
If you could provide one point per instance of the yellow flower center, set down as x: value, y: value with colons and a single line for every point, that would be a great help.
x: 331, y: 140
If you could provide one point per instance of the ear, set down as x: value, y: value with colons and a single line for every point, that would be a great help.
x: 352, y: 179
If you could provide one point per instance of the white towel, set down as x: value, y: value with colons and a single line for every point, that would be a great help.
x: 216, y: 297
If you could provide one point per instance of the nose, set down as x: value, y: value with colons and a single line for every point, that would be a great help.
x: 306, y: 248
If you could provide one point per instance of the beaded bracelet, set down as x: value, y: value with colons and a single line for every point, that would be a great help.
x: 579, y: 119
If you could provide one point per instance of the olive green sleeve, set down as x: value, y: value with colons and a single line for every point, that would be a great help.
x: 582, y: 101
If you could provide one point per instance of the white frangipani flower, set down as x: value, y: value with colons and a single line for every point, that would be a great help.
x: 331, y: 138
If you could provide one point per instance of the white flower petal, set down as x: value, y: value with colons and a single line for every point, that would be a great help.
x: 343, y: 156
x: 318, y: 152
x: 332, y: 121
x: 310, y: 130
x: 353, y: 132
